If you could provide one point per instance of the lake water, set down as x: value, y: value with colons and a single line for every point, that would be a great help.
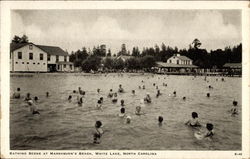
x: 66, y: 126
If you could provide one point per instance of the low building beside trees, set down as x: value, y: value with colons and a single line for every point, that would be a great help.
x: 29, y: 57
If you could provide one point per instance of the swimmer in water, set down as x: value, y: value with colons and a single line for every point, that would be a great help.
x: 209, y: 132
x: 33, y: 108
x: 120, y: 90
x: 17, y: 95
x: 128, y: 119
x: 98, y: 90
x: 47, y: 94
x: 208, y: 95
x: 234, y: 109
x: 139, y: 87
x: 184, y: 98
x: 101, y: 99
x: 194, y: 121
x: 138, y: 111
x: 174, y: 93
x: 99, y: 104
x: 133, y: 92
x: 153, y: 84
x: 110, y: 95
x: 148, y: 98
x: 114, y: 99
x: 143, y: 87
x: 158, y: 93
x: 74, y: 91
x: 98, y: 132
x: 27, y: 98
x: 79, y: 101
x: 122, y: 103
x: 69, y: 98
x: 160, y: 120
x: 156, y: 87
x: 210, y: 87
x: 36, y: 99
x: 122, y: 113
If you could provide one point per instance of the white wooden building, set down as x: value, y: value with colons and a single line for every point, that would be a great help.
x: 180, y: 60
x: 28, y: 57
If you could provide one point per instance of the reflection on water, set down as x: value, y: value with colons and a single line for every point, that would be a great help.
x: 63, y: 125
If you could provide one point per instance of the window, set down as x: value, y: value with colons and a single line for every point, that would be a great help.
x: 19, y: 55
x: 64, y: 66
x: 38, y: 63
x: 30, y: 47
x: 43, y: 63
x: 41, y: 56
x: 177, y: 62
x: 27, y: 62
x: 170, y: 61
x: 34, y: 63
x: 16, y: 62
x: 48, y: 57
x: 57, y: 58
x: 31, y: 56
x: 22, y: 62
x: 65, y: 58
x: 70, y: 67
x: 58, y: 67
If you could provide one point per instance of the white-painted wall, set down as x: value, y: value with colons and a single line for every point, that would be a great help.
x: 25, y: 64
x: 181, y: 62
x: 53, y: 59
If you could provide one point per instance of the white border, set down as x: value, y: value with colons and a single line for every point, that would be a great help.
x: 7, y: 6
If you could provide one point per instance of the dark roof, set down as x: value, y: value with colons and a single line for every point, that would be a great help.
x: 232, y: 65
x: 183, y: 57
x: 14, y: 46
x: 52, y: 50
x: 164, y: 64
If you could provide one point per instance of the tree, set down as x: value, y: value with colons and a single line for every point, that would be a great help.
x: 109, y: 53
x: 16, y: 39
x: 119, y: 64
x: 148, y: 62
x: 24, y: 39
x: 123, y: 50
x: 108, y: 63
x: 135, y: 52
x: 196, y: 43
x: 91, y: 63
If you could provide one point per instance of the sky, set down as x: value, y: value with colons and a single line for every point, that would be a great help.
x: 73, y: 29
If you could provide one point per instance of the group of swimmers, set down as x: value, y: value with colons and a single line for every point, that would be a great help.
x: 193, y: 122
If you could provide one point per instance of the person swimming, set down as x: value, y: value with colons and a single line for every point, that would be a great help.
x: 36, y: 99
x: 47, y: 94
x: 194, y: 121
x: 33, y: 107
x: 120, y: 90
x: 98, y: 132
x: 122, y: 113
x: 133, y: 92
x: 99, y: 104
x: 139, y: 87
x: 158, y: 93
x: 114, y: 99
x: 148, y: 98
x: 81, y: 91
x: 208, y: 95
x: 69, y: 98
x: 101, y: 99
x: 153, y: 84
x: 184, y: 98
x: 143, y: 87
x: 160, y: 120
x: 27, y: 98
x: 17, y: 95
x: 209, y: 132
x: 156, y: 87
x: 98, y: 90
x: 79, y: 101
x: 138, y: 111
x: 128, y: 119
x: 122, y: 103
x: 174, y: 93
x: 74, y: 91
x: 234, y: 109
x: 210, y: 87
x: 110, y: 95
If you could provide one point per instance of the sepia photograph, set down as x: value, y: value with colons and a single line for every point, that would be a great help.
x: 125, y: 79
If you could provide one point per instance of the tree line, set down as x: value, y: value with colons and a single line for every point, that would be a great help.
x: 146, y: 58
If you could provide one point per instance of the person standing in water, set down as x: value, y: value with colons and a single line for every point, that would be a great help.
x: 33, y: 107
x: 17, y: 95
x: 98, y: 132
x: 194, y: 121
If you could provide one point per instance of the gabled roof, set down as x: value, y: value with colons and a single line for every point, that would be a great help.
x: 14, y: 46
x: 51, y: 50
x: 165, y: 64
x: 125, y: 57
x: 233, y: 65
x: 182, y: 58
